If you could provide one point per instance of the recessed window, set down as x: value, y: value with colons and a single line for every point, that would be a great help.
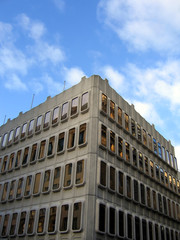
x: 166, y: 178
x: 56, y: 179
x: 10, y: 138
x: 77, y: 215
x: 155, y: 145
x: 133, y: 127
x: 47, y: 119
x: 160, y: 202
x: 148, y: 196
x: 102, y: 218
x: 126, y: 122
x: 4, y: 193
x: 120, y: 183
x: 23, y: 131
x: 175, y: 163
x: 129, y: 226
x: 167, y: 154
x: 31, y: 222
x: 127, y: 151
x: 150, y: 230
x: 4, y: 141
x: 42, y: 149
x: 79, y: 172
x: 141, y: 168
x: 144, y: 137
x: 5, y: 226
x: 144, y: 229
x: 103, y: 173
x: 112, y: 182
x: 162, y: 175
x: 41, y: 220
x: 174, y: 184
x: 162, y: 232
x: 152, y: 168
x: 173, y: 210
x: 33, y: 153
x: 71, y: 138
x: 157, y: 171
x: 64, y: 111
x: 82, y: 134
x: 103, y: 135
x: 104, y: 103
x: 154, y: 199
x: 120, y: 147
x: 68, y: 175
x: 63, y: 226
x: 4, y: 164
x: 112, y: 109
x: 167, y: 234
x: 19, y: 188
x: 170, y: 181
x: 74, y: 106
x: 139, y: 132
x: 134, y: 155
x: 52, y: 219
x: 137, y: 228
x: 165, y: 205
x: 37, y: 183
x: 12, y: 190
x: 21, y: 230
x: 142, y: 191
x: 156, y: 231
x: 11, y: 161
x: 51, y: 146
x: 169, y: 208
x: 112, y: 141
x: 150, y: 141
x: 55, y: 115
x: 84, y: 101
x: 60, y: 146
x: 18, y: 159
x: 163, y: 153
x: 13, y: 224
x: 25, y: 156
x: 112, y: 221
x: 159, y: 150
x: 27, y: 191
x: 16, y: 135
x: 172, y: 160
x: 146, y: 165
x: 120, y: 116
x: 128, y: 186
x: 38, y: 124
x: 136, y: 191
x: 121, y: 224
x: 31, y: 127
x: 46, y: 182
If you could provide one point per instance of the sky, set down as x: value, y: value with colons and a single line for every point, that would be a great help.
x: 135, y: 44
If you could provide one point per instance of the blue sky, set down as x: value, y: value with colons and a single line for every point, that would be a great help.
x: 132, y: 43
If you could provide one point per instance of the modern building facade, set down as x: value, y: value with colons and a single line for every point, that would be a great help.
x: 85, y: 165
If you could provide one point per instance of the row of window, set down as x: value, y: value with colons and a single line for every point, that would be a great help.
x: 117, y: 222
x: 116, y: 145
x: 67, y: 109
x: 42, y: 220
x: 116, y: 181
x: 108, y: 107
x: 43, y: 182
x: 38, y: 151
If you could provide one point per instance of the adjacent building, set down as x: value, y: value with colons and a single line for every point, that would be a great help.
x: 85, y: 165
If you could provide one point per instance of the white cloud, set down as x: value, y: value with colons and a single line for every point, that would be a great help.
x: 52, y: 86
x: 15, y: 83
x: 5, y: 32
x: 60, y: 4
x: 150, y: 24
x: 72, y: 75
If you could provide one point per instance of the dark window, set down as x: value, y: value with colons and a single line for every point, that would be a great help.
x: 41, y: 220
x: 134, y: 153
x: 21, y: 230
x: 102, y: 217
x: 82, y: 134
x: 112, y: 222
x: 12, y: 190
x: 27, y: 190
x: 121, y: 223
x: 103, y: 173
x: 127, y: 152
x: 146, y: 165
x: 13, y: 224
x: 112, y: 183
x: 121, y: 183
x: 11, y: 161
x: 56, y: 179
x: 19, y: 188
x: 165, y: 205
x: 162, y: 232
x: 150, y: 231
x: 60, y: 146
x: 142, y: 189
x: 144, y: 229
x: 141, y: 168
x: 52, y: 219
x: 154, y: 200
x: 42, y: 149
x: 160, y: 202
x: 156, y: 232
x: 128, y: 186
x: 63, y: 227
x: 51, y: 146
x: 5, y: 226
x: 159, y: 150
x: 76, y: 221
x: 155, y: 145
x: 129, y: 226
x: 137, y: 228
x: 136, y: 191
x: 30, y: 229
x: 25, y: 156
x: 71, y: 138
x: 148, y: 194
x: 157, y: 171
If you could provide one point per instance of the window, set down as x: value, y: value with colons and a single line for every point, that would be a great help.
x: 46, y: 182
x: 10, y: 138
x: 64, y: 111
x: 175, y: 163
x: 5, y: 226
x: 174, y: 184
x: 103, y: 174
x: 134, y: 155
x: 156, y: 232
x: 167, y: 234
x: 52, y: 219
x: 142, y: 191
x: 11, y: 190
x: 16, y: 135
x: 11, y: 161
x: 30, y: 228
x: 136, y: 191
x: 133, y: 127
x: 55, y: 115
x: 170, y: 181
x: 56, y: 179
x: 74, y: 106
x: 155, y: 145
x: 151, y: 231
x: 163, y: 153
x: 25, y: 156
x: 178, y: 186
x: 162, y: 232
x: 144, y: 137
x: 167, y: 154
x: 172, y: 160
x: 23, y: 131
x: 112, y: 109
x: 102, y: 218
x: 13, y: 224
x: 173, y: 210
x: 104, y: 103
x: 121, y: 224
x: 150, y: 141
x: 37, y: 183
x: 38, y: 124
x: 51, y: 146
x: 63, y: 227
x: 128, y: 186
x: 4, y: 164
x: 120, y: 183
x: 146, y: 165
x: 166, y: 178
x: 18, y: 159
x: 112, y: 221
x: 103, y: 135
x: 120, y: 116
x: 79, y: 172
x: 160, y: 202
x: 157, y: 171
x: 148, y: 195
x: 4, y: 193
x: 137, y: 228
x: 47, y: 119
x: 139, y: 132
x: 162, y: 175
x: 144, y: 229
x: 165, y: 205
x: 178, y: 212
x: 126, y: 122
x: 60, y: 146
x: 21, y: 230
x: 33, y: 153
x: 154, y: 200
x: 141, y: 168
x: 129, y: 226
x: 27, y: 191
x: 68, y: 175
x: 82, y: 134
x: 169, y: 208
x: 31, y: 127
x: 112, y: 141
x: 127, y: 152
x: 71, y: 138
x: 120, y: 147
x: 42, y: 149
x: 112, y: 182
x: 84, y: 101
x: 4, y: 141
x: 159, y: 150
x: 152, y: 168
x: 19, y: 188
x: 77, y: 212
x: 41, y: 220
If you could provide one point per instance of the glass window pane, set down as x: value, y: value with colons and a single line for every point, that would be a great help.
x: 33, y: 153
x: 112, y: 141
x: 64, y: 111
x: 103, y: 174
x: 22, y: 222
x: 136, y: 191
x: 74, y: 106
x: 4, y: 164
x: 5, y: 226
x: 47, y: 119
x: 51, y: 146
x: 112, y: 183
x: 11, y: 191
x: 13, y: 224
x: 4, y: 141
x: 102, y: 217
x: 126, y: 122
x: 71, y: 138
x: 129, y: 226
x: 121, y: 183
x: 56, y: 179
x: 76, y: 223
x: 137, y: 228
x: 52, y: 219
x: 4, y: 193
x: 67, y: 176
x: 112, y: 221
x: 31, y: 127
x: 38, y: 123
x: 63, y: 227
x: 104, y: 103
x: 37, y: 183
x: 144, y: 137
x: 84, y: 101
x: 23, y: 131
x: 127, y: 152
x: 25, y: 156
x: 82, y: 133
x: 11, y: 161
x: 128, y: 186
x: 139, y: 132
x: 112, y: 109
x: 27, y: 190
x: 80, y: 172
x: 103, y: 135
x: 42, y: 149
x: 120, y: 147
x: 18, y: 159
x: 120, y: 116
x: 30, y: 229
x: 60, y: 146
x: 41, y: 220
x: 133, y: 127
x: 46, y: 181
x: 55, y: 115
x: 10, y: 138
x: 16, y: 135
x: 121, y: 223
x: 19, y: 188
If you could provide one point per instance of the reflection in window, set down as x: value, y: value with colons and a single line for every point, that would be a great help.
x: 5, y: 225
x: 25, y: 156
x: 13, y: 224
x: 112, y: 141
x: 23, y: 131
x: 4, y: 193
x: 126, y: 122
x: 10, y: 138
x: 56, y: 179
x: 80, y: 172
x: 104, y: 103
x: 42, y: 149
x: 55, y: 115
x: 144, y: 137
x: 30, y: 229
x: 76, y: 223
x: 136, y: 191
x: 128, y: 186
x: 112, y: 183
x: 11, y: 191
x: 22, y: 222
x: 64, y: 111
x: 102, y: 217
x: 51, y: 146
x: 148, y: 195
x: 121, y: 224
x: 52, y: 219
x: 67, y: 175
x: 127, y: 152
x: 152, y: 168
x: 18, y: 159
x: 103, y: 174
x: 60, y: 146
x: 4, y: 140
x: 120, y: 183
x: 27, y: 190
x: 141, y: 162
x: 103, y: 135
x: 46, y: 181
x: 19, y: 188
x: 11, y: 161
x: 154, y: 200
x: 112, y: 221
x: 120, y: 147
x: 71, y: 138
x: 41, y: 220
x: 74, y: 106
x: 120, y: 116
x: 129, y: 226
x: 112, y: 109
x: 47, y: 119
x: 37, y: 183
x: 133, y: 127
x: 63, y: 227
x: 84, y: 101
x: 150, y: 141
x: 16, y: 136
x: 82, y: 134
x: 33, y: 153
x: 31, y: 127
x: 4, y: 164
x: 139, y: 132
x: 142, y: 191
x: 38, y: 123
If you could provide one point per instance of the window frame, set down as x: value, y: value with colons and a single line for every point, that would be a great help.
x: 59, y: 179
x: 38, y: 124
x: 47, y: 120
x: 44, y: 181
x: 64, y: 111
x: 31, y: 127
x: 67, y: 186
x: 110, y: 233
x: 85, y: 108
x: 55, y: 116
x: 74, y: 113
x: 29, y: 186
x: 19, y: 224
x: 34, y: 222
x: 72, y: 135
x: 84, y: 173
x: 68, y: 218
x: 85, y: 133
x: 81, y: 217
x: 36, y: 193
x: 43, y: 208
x: 56, y: 218
x: 52, y: 140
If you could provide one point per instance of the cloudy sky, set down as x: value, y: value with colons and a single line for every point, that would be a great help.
x: 135, y: 44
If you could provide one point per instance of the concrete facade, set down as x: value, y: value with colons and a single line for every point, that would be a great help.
x: 92, y: 168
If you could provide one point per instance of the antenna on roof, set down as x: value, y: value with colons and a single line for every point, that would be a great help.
x: 4, y: 119
x: 64, y: 86
x: 32, y: 100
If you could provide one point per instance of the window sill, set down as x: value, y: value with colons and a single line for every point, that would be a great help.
x: 103, y: 113
x: 102, y: 147
x: 41, y: 159
x: 85, y: 110
x: 74, y: 115
x: 64, y: 120
x: 60, y: 152
x: 50, y: 156
x: 46, y: 128
x: 55, y: 124
x: 82, y: 145
x: 111, y: 119
x: 71, y: 149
